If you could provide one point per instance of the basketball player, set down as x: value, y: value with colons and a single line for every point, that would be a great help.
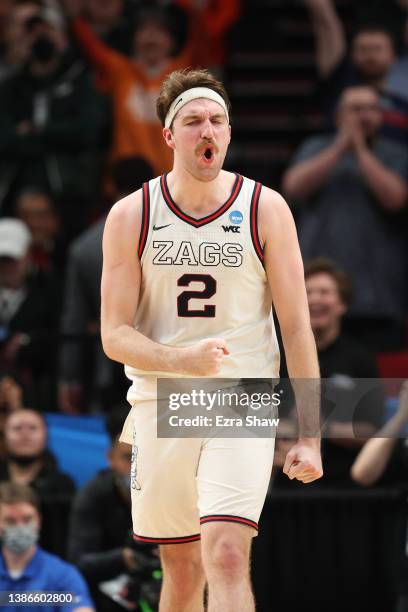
x: 186, y: 294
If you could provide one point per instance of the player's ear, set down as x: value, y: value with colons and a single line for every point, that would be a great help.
x: 168, y: 137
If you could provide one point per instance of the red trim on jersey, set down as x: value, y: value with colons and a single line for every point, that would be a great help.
x: 181, y: 540
x: 199, y: 222
x: 145, y: 218
x: 254, y: 221
x: 228, y: 518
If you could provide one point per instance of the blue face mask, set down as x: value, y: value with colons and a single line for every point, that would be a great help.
x: 18, y: 539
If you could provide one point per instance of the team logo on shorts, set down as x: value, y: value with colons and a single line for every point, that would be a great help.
x: 133, y: 472
x: 236, y: 217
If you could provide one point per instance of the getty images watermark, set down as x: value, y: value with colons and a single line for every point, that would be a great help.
x: 335, y: 407
x: 209, y: 401
x: 231, y: 408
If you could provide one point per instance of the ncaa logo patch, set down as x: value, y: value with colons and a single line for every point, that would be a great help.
x: 236, y: 217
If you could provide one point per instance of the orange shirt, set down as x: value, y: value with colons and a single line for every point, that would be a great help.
x: 216, y: 18
x: 136, y: 129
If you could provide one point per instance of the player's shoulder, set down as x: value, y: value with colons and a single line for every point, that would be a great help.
x: 272, y: 204
x: 127, y: 204
x: 274, y: 214
x: 126, y: 214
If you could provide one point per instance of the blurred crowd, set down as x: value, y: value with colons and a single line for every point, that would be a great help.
x: 78, y: 130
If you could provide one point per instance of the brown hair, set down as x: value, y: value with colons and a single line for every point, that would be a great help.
x: 13, y: 493
x: 181, y: 80
x: 323, y: 265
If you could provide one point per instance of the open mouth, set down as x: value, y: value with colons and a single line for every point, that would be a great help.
x: 208, y: 154
x: 318, y: 311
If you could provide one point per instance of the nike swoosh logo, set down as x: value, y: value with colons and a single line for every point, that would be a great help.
x: 159, y: 227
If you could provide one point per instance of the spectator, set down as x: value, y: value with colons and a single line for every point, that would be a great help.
x: 24, y: 566
x: 36, y: 208
x: 384, y: 459
x: 27, y: 459
x: 100, y: 541
x: 397, y: 81
x: 134, y: 83
x: 29, y: 462
x: 29, y: 308
x: 350, y: 189
x: 11, y: 399
x: 81, y: 309
x: 14, y: 39
x: 108, y: 22
x: 216, y: 18
x: 50, y: 117
x: 343, y: 362
x: 373, y: 54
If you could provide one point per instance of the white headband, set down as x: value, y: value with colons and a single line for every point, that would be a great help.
x: 193, y: 94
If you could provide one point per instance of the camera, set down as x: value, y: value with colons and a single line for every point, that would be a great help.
x: 145, y: 582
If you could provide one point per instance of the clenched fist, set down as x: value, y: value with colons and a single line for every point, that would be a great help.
x: 303, y: 462
x: 205, y: 357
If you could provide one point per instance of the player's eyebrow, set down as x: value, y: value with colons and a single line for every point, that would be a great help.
x: 193, y: 116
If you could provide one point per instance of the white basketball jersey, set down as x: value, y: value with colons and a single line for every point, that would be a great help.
x: 204, y: 278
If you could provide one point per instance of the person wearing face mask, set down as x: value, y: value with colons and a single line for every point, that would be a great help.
x: 24, y: 566
x: 99, y: 540
x: 51, y: 116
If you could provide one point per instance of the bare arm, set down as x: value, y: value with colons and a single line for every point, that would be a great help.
x: 342, y: 434
x: 284, y: 268
x: 329, y: 35
x: 305, y: 178
x: 121, y: 280
x: 373, y: 458
x: 388, y: 187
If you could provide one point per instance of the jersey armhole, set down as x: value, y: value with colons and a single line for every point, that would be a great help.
x: 144, y: 228
x: 254, y: 222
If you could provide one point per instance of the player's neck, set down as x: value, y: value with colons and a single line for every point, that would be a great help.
x: 199, y: 197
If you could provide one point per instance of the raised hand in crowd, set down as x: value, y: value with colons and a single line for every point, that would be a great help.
x: 375, y: 455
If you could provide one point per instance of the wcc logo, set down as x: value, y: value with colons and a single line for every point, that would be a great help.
x: 231, y: 228
x: 236, y: 217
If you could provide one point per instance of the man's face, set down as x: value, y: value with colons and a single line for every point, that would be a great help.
x: 38, y: 29
x: 325, y: 305
x: 200, y: 137
x: 373, y: 54
x: 153, y: 43
x: 18, y: 514
x: 105, y: 11
x: 120, y: 456
x: 25, y: 434
x: 13, y: 272
x: 37, y: 213
x: 362, y: 104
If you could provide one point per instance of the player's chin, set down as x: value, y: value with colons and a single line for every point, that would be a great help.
x: 207, y: 173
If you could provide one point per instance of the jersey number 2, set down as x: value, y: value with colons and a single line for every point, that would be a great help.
x: 210, y: 287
